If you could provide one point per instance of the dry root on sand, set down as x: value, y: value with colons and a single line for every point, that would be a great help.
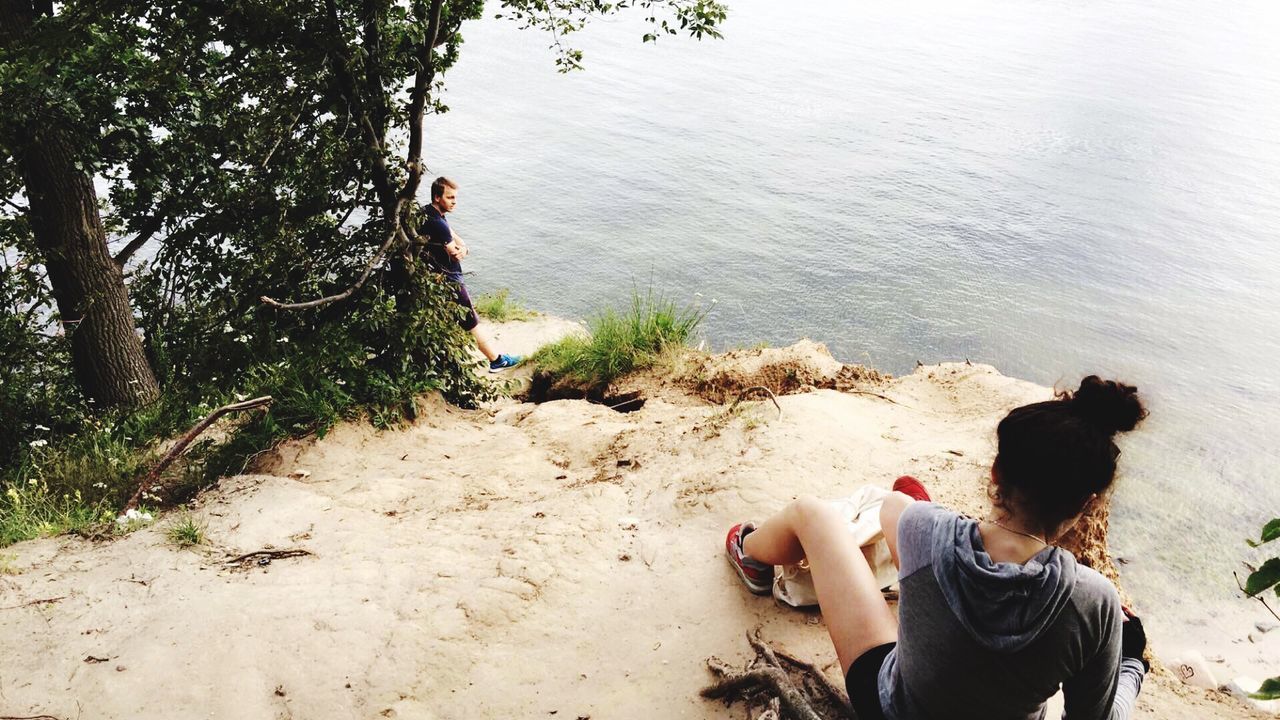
x: 778, y: 686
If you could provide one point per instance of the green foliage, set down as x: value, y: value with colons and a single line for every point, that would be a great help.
x: 185, y: 531
x: 1270, y: 532
x: 242, y: 150
x: 33, y: 510
x: 1259, y: 581
x: 1263, y: 578
x: 1270, y: 690
x: 560, y: 18
x: 621, y: 342
x: 1268, y: 575
x: 499, y: 307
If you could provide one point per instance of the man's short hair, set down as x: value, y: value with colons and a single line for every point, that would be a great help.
x: 437, y: 187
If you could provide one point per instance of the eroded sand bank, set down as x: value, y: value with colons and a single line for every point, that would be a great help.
x: 519, y: 561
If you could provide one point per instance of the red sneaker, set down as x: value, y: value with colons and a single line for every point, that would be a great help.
x: 912, y: 488
x: 757, y: 576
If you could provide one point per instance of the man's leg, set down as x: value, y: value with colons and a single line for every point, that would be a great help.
x: 471, y: 323
x: 482, y: 342
x: 856, y: 615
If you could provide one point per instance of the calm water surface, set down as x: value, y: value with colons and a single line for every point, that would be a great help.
x: 1053, y: 188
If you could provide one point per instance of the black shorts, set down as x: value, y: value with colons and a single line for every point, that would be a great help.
x: 863, y: 682
x: 470, y: 320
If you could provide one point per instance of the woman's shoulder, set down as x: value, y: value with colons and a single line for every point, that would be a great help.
x: 1095, y: 596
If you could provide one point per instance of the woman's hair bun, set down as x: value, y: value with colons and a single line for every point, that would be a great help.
x: 1110, y: 406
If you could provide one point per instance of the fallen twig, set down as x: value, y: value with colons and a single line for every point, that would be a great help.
x: 154, y: 474
x: 753, y: 388
x: 780, y: 685
x: 45, y: 601
x: 28, y: 717
x: 269, y: 555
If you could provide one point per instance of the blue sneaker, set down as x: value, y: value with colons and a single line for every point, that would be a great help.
x: 503, y: 362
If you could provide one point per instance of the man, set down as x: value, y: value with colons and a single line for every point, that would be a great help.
x: 445, y: 251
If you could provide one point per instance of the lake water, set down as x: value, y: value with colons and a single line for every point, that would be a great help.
x: 1054, y: 188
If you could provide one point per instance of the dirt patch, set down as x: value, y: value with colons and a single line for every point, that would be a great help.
x: 545, y: 387
x: 798, y: 368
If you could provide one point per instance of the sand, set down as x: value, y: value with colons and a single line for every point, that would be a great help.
x: 559, y: 560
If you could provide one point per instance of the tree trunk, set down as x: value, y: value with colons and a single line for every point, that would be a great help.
x: 106, y: 351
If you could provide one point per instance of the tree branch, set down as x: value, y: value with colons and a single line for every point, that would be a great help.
x: 418, y: 100
x: 396, y: 231
x: 145, y: 233
x: 182, y: 444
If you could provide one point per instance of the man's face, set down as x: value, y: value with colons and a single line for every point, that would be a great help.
x: 447, y: 200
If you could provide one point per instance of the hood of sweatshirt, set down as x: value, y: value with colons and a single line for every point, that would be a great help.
x: 1004, y: 606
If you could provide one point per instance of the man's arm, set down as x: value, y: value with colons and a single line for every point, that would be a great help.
x: 456, y: 248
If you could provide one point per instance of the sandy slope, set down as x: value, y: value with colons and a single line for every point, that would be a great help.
x: 550, y: 561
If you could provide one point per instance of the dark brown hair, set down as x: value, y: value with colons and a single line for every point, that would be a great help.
x: 1054, y: 455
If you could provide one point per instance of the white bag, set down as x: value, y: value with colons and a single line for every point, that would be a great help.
x: 793, y: 585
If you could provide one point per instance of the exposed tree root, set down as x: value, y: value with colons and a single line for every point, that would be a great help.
x: 778, y: 686
x: 264, y: 557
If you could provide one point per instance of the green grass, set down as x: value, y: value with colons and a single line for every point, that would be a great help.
x: 6, y: 565
x: 621, y: 342
x: 32, y: 510
x: 185, y: 531
x: 499, y: 307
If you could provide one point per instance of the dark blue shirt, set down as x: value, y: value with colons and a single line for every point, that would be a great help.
x: 435, y: 230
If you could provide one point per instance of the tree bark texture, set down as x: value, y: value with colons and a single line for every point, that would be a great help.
x: 107, y: 353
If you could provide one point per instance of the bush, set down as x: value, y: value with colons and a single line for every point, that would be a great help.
x: 621, y: 342
x: 371, y: 357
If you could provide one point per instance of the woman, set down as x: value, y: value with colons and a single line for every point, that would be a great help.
x: 992, y: 617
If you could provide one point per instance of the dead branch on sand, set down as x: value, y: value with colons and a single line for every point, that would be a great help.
x: 154, y: 474
x: 45, y: 601
x: 779, y: 685
x: 755, y: 388
x: 266, y: 556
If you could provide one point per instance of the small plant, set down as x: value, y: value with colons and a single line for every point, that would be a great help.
x: 499, y: 307
x: 185, y: 531
x: 1261, y: 579
x: 6, y: 565
x: 31, y: 509
x: 622, y: 342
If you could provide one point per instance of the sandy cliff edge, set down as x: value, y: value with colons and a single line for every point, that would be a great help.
x: 556, y: 560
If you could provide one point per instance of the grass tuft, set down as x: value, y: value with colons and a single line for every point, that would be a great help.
x: 185, y: 531
x: 30, y: 510
x: 622, y: 342
x: 499, y: 307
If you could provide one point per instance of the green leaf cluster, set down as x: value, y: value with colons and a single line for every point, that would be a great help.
x: 240, y: 149
x: 1261, y: 579
x: 1267, y: 576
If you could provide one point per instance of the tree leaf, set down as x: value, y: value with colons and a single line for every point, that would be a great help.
x: 1263, y: 578
x: 1270, y: 690
x: 1270, y: 532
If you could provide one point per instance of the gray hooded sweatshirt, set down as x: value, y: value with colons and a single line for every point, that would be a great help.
x: 993, y: 641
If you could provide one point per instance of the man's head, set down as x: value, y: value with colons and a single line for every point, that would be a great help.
x: 444, y: 194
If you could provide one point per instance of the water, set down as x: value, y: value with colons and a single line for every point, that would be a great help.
x: 1053, y: 188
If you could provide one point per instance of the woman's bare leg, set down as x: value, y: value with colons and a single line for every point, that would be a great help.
x: 856, y: 615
